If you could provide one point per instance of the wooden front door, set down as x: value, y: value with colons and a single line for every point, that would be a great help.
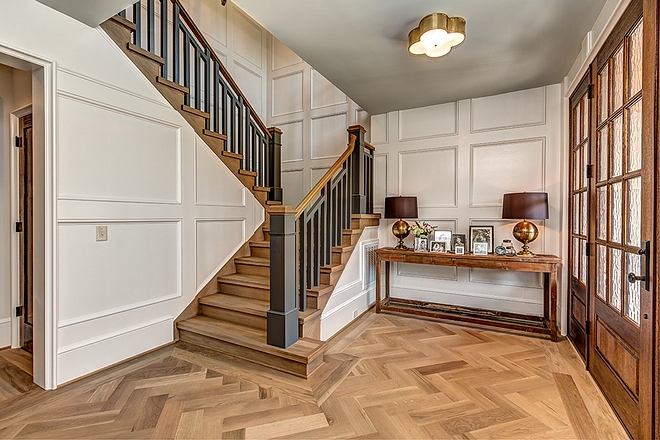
x: 613, y: 219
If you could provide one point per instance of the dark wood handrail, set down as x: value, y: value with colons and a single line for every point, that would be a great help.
x: 225, y: 73
x: 309, y: 198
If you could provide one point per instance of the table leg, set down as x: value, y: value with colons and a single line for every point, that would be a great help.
x: 378, y: 262
x: 553, y: 304
x: 387, y: 282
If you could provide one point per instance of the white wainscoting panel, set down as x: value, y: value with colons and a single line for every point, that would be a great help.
x: 292, y: 141
x: 316, y: 174
x: 215, y: 185
x: 379, y: 129
x: 329, y: 136
x: 96, y: 353
x: 5, y: 332
x: 250, y: 83
x: 426, y: 122
x: 287, y: 94
x: 292, y: 180
x: 247, y: 39
x: 505, y: 167
x: 324, y: 93
x: 216, y: 241
x: 140, y: 262
x: 210, y: 17
x: 431, y: 175
x: 282, y: 56
x: 92, y: 152
x: 510, y: 110
x: 380, y: 179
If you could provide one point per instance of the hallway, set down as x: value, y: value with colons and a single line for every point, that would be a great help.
x: 385, y: 376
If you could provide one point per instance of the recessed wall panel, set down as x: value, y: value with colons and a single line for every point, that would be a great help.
x: 247, y: 39
x: 324, y: 93
x: 292, y: 141
x: 108, y: 154
x: 215, y: 185
x: 379, y: 129
x: 425, y: 122
x: 380, y: 179
x: 216, y: 241
x: 287, y: 94
x: 283, y: 56
x: 293, y: 188
x: 430, y: 175
x: 509, y: 110
x: 140, y: 262
x: 505, y: 167
x: 329, y: 136
x: 317, y: 174
x: 211, y: 16
x: 250, y: 83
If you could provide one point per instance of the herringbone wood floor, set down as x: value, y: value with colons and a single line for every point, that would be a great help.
x: 385, y: 376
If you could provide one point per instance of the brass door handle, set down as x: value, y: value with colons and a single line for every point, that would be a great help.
x: 632, y: 278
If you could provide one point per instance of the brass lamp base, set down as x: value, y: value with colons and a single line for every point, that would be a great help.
x: 401, y: 230
x: 525, y: 232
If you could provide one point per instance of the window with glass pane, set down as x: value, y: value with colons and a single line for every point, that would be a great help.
x: 603, y: 149
x: 603, y: 84
x: 633, y: 264
x: 635, y: 59
x: 615, y: 278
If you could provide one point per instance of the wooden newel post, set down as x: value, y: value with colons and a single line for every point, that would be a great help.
x: 275, y: 164
x: 282, y: 318
x: 359, y: 196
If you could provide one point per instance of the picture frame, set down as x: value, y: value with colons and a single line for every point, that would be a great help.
x: 480, y: 248
x: 421, y: 244
x: 457, y: 240
x: 482, y: 234
x: 438, y: 246
x: 443, y: 236
x: 459, y: 250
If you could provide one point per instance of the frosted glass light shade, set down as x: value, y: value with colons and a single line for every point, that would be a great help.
x: 436, y: 35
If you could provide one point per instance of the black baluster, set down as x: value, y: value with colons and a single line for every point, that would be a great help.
x: 302, y: 260
x: 186, y: 66
x: 151, y: 27
x: 198, y: 71
x: 176, y: 45
x: 163, y: 37
x: 137, y: 19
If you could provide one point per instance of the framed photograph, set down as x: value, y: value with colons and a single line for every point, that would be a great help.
x: 460, y: 250
x: 438, y: 246
x: 481, y: 234
x: 457, y: 240
x: 444, y: 237
x: 479, y: 248
x: 421, y: 244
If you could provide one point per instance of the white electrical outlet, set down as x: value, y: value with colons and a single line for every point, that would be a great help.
x: 355, y: 313
x: 101, y: 233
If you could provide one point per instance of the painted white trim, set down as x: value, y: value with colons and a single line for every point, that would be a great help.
x: 345, y: 304
x: 598, y: 44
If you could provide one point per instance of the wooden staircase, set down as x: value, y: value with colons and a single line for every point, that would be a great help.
x: 231, y: 312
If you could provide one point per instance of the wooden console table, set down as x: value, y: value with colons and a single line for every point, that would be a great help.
x: 546, y: 264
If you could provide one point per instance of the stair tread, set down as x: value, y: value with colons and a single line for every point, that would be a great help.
x: 343, y: 248
x: 254, y: 261
x: 246, y: 280
x: 248, y: 305
x: 252, y: 338
x: 351, y: 231
x: 320, y: 290
x: 373, y: 216
x: 331, y: 268
x: 262, y: 244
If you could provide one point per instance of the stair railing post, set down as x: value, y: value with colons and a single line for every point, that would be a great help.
x: 282, y: 318
x: 358, y: 196
x: 275, y: 164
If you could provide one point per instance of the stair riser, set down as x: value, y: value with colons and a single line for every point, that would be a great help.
x: 340, y: 257
x: 349, y: 239
x: 250, y: 269
x: 330, y: 278
x: 244, y: 291
x: 361, y: 223
x: 234, y: 316
x: 260, y: 252
x: 249, y: 354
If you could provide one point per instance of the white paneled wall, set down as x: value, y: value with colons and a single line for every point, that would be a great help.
x: 125, y: 159
x: 458, y: 159
x: 313, y: 115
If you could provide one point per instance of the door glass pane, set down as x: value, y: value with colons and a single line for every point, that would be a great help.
x: 615, y: 210
x: 635, y: 137
x: 634, y: 212
x: 602, y: 154
x: 601, y: 219
x: 604, y: 97
x: 601, y: 288
x: 615, y: 278
x: 576, y: 169
x: 635, y: 60
x: 583, y: 214
x: 576, y: 213
x: 583, y: 261
x: 576, y: 257
x: 585, y: 162
x: 576, y: 125
x: 617, y: 79
x: 633, y: 264
x: 585, y: 117
x: 617, y: 146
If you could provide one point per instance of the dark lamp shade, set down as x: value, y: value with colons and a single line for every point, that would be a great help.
x: 401, y: 207
x: 525, y: 205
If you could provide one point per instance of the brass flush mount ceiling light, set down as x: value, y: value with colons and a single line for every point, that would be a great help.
x: 436, y: 35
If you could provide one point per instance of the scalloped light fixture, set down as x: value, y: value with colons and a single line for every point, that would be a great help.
x: 436, y: 35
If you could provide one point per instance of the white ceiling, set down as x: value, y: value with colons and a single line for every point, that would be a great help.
x: 90, y: 12
x: 361, y: 45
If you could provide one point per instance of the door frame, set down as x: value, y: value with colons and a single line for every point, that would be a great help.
x: 44, y: 102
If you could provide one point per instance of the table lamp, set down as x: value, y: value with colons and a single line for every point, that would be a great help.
x: 525, y: 205
x: 401, y: 207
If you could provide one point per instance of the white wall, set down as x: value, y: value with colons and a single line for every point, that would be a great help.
x: 313, y: 115
x: 127, y: 160
x: 458, y: 159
